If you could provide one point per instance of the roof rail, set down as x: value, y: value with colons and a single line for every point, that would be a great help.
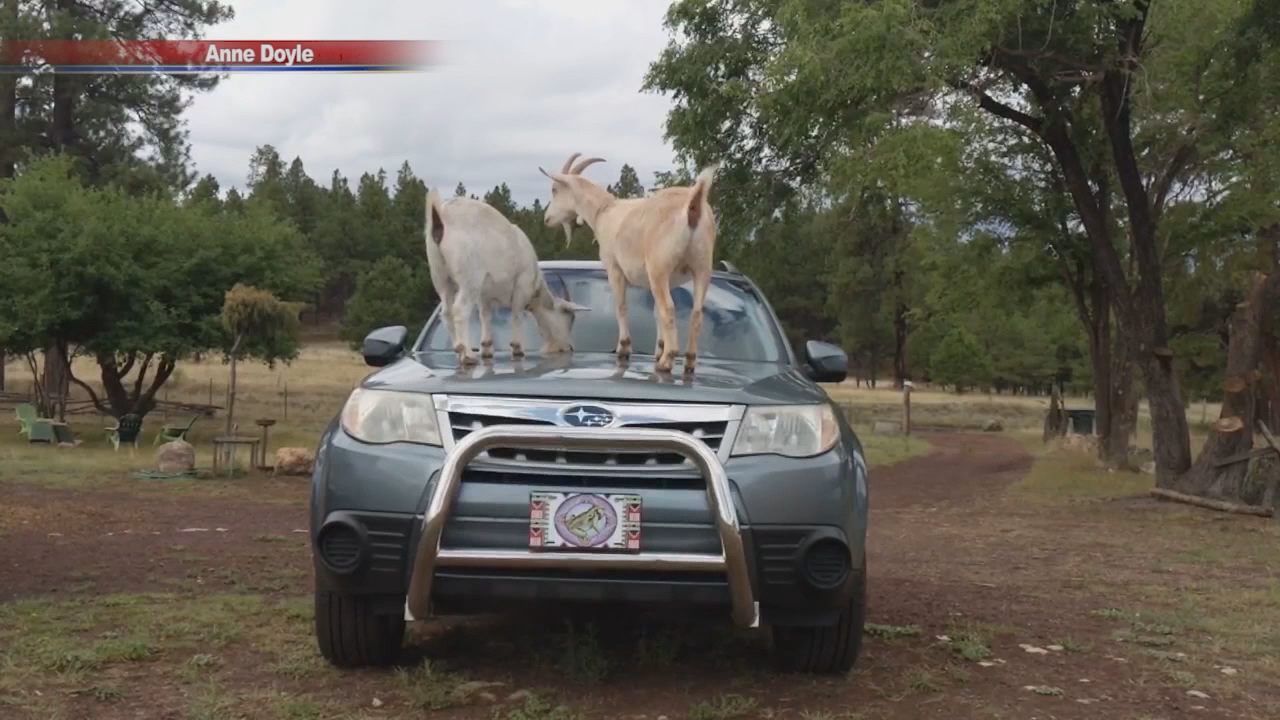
x: 729, y: 267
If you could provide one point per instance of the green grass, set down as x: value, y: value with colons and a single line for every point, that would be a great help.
x: 885, y: 450
x: 1189, y: 586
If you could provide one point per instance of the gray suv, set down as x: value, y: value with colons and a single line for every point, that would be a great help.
x: 571, y: 478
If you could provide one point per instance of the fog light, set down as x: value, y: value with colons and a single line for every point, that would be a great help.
x: 341, y: 546
x: 826, y: 563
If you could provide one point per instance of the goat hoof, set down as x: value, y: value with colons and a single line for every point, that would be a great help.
x: 517, y: 350
x: 689, y: 362
x: 486, y: 353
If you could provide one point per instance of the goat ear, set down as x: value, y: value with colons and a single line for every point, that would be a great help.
x: 567, y: 305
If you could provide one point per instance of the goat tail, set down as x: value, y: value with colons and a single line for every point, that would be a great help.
x: 434, y: 221
x: 698, y: 194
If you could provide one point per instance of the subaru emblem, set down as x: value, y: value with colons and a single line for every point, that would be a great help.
x: 586, y: 416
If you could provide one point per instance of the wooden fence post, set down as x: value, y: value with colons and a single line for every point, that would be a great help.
x: 906, y: 407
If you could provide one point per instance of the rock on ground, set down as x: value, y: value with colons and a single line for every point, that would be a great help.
x: 992, y: 426
x: 882, y: 427
x: 294, y: 461
x: 176, y: 456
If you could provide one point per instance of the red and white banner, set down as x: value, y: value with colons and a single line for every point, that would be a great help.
x: 169, y: 56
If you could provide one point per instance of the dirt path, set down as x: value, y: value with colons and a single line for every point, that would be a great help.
x: 924, y: 573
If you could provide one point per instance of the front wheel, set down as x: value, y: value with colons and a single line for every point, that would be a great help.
x: 352, y: 634
x: 829, y: 649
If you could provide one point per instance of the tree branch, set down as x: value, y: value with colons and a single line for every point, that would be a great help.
x: 1160, y: 188
x: 93, y: 396
x: 1001, y: 110
x: 142, y: 374
x: 163, y: 371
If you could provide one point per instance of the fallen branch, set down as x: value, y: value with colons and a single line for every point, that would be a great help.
x: 1224, y: 506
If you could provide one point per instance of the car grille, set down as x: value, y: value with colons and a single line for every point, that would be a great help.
x: 711, y: 433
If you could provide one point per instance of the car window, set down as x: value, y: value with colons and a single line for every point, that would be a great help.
x: 735, y: 324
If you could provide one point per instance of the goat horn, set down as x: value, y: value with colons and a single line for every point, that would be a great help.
x: 567, y: 163
x: 577, y: 169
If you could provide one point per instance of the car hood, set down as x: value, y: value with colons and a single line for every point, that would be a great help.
x: 599, y: 376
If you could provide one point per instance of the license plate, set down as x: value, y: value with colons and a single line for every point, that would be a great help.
x: 584, y: 521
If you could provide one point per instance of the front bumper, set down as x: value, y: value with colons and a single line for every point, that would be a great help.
x: 799, y: 549
x: 731, y: 560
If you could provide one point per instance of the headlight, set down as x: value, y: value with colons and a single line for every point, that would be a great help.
x: 386, y: 416
x: 791, y: 430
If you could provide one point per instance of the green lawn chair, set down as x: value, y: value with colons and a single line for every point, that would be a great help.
x: 26, y: 414
x: 126, y: 431
x: 169, y: 433
x: 36, y: 428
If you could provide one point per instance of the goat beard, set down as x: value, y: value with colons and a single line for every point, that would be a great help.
x: 568, y: 233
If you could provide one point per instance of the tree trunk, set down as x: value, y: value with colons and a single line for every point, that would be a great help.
x: 1233, y: 433
x: 1123, y: 403
x: 231, y: 385
x: 1269, y: 388
x: 56, y: 383
x: 8, y: 120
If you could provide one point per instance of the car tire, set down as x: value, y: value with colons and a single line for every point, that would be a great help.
x: 351, y: 634
x: 827, y: 649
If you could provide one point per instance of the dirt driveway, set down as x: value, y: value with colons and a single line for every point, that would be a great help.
x: 978, y: 609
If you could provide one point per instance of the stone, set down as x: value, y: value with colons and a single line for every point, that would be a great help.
x: 519, y: 696
x: 1198, y: 694
x: 475, y: 687
x: 176, y: 456
x: 992, y: 425
x: 1148, y: 467
x: 294, y: 461
x: 882, y: 427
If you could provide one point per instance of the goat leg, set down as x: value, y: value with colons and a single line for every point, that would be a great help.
x: 517, y: 331
x: 701, y: 281
x: 618, y: 284
x: 462, y: 342
x: 486, y: 331
x: 660, y: 284
x: 447, y: 300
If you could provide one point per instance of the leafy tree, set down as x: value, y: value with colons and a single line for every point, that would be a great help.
x: 137, y: 283
x: 628, y: 185
x: 794, y: 93
x: 257, y: 324
x: 388, y: 293
x: 960, y: 361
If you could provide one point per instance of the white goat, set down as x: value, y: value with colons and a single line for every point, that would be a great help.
x: 652, y: 242
x: 480, y: 259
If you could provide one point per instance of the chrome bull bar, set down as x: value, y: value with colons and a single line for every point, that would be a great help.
x: 731, y: 559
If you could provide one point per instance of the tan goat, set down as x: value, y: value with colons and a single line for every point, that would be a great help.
x: 653, y: 242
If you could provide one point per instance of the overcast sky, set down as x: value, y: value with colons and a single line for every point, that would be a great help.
x: 521, y: 83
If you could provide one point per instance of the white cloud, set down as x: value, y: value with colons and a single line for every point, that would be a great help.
x: 520, y: 83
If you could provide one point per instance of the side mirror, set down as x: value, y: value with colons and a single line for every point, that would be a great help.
x: 827, y: 363
x: 384, y: 345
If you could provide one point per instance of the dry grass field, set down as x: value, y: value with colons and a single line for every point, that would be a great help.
x: 1007, y: 581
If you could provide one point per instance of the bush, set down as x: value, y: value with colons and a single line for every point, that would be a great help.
x: 388, y: 293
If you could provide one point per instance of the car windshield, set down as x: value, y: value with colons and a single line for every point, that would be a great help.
x: 735, y: 323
